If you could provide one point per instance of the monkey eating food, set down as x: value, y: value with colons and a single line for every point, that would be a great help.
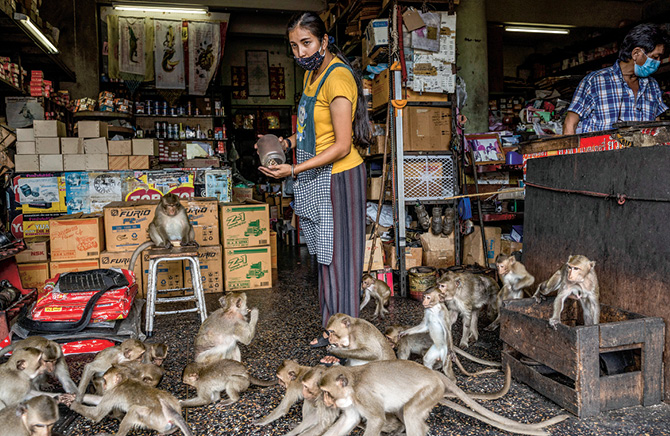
x: 53, y: 358
x: 144, y: 406
x: 34, y: 417
x: 576, y: 278
x: 218, y: 336
x: 357, y: 340
x: 170, y: 224
x: 377, y: 289
x: 210, y: 379
x: 516, y: 280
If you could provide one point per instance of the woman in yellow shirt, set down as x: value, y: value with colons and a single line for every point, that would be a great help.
x: 330, y: 196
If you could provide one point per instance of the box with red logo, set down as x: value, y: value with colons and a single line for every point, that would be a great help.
x: 77, y: 236
x: 37, y: 251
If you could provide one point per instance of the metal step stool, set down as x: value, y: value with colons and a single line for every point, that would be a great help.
x: 158, y: 255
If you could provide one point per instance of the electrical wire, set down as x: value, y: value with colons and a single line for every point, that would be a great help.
x: 620, y: 198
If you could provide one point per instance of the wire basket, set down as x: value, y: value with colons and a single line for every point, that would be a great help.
x: 429, y: 177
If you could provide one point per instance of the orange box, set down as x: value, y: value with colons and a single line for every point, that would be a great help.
x: 121, y: 259
x: 78, y: 236
x: 118, y: 162
x: 170, y: 275
x: 73, y: 266
x: 33, y: 275
x: 138, y: 162
x: 211, y: 269
x: 37, y: 251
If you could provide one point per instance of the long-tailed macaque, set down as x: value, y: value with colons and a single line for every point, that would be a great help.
x: 34, y: 417
x: 516, y: 280
x: 170, y: 223
x: 147, y: 373
x: 128, y: 350
x: 144, y: 406
x: 316, y: 416
x: 367, y: 392
x: 289, y: 375
x: 17, y: 374
x: 377, y: 289
x: 53, y: 358
x: 357, y: 340
x: 576, y: 278
x: 466, y: 294
x: 218, y: 336
x: 156, y: 353
x: 417, y: 343
x: 210, y: 379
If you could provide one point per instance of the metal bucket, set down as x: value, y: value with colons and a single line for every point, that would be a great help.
x: 421, y: 278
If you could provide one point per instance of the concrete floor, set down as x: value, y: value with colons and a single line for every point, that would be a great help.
x: 289, y: 319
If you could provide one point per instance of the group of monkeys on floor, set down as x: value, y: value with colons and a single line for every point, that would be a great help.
x: 335, y: 399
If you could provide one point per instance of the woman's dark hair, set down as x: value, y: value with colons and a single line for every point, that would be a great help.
x: 646, y: 36
x: 313, y: 23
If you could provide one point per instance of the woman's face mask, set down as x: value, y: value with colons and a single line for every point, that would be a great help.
x: 312, y: 62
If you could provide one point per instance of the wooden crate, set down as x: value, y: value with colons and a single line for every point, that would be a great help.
x: 573, y: 351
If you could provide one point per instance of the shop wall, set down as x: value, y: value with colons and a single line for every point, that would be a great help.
x: 630, y: 242
x: 235, y: 55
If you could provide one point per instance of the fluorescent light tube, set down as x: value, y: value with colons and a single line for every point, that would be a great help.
x: 45, y: 42
x: 549, y: 30
x: 161, y: 9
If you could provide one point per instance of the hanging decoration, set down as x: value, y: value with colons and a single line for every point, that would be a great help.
x: 171, y: 95
x: 238, y: 77
x: 132, y: 85
x: 204, y: 53
x: 277, y: 85
x: 131, y: 46
x: 169, y: 55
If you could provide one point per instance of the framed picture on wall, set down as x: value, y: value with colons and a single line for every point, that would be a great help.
x: 487, y: 148
x: 258, y: 73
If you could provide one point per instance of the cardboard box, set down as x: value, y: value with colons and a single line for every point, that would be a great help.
x: 377, y: 145
x: 127, y: 223
x: 121, y: 259
x: 245, y: 225
x: 273, y: 248
x: 25, y: 147
x: 47, y: 145
x: 73, y: 266
x: 51, y: 162
x: 378, y: 258
x: 247, y: 268
x: 26, y: 163
x: 25, y: 135
x: 97, y: 162
x: 426, y: 128
x: 472, y: 246
x: 95, y: 146
x: 145, y: 147
x: 380, y: 89
x: 72, y: 145
x: 211, y: 269
x: 33, y: 275
x: 377, y: 34
x: 438, y: 251
x: 240, y: 195
x: 48, y: 128
x: 203, y: 212
x: 118, y: 162
x: 91, y: 129
x: 74, y: 162
x: 138, y: 162
x: 413, y: 256
x: 120, y: 148
x: 169, y: 275
x: 78, y: 236
x: 37, y: 251
x: 509, y: 247
x: 374, y: 189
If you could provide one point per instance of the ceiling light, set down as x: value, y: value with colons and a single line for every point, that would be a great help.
x: 35, y: 32
x: 200, y: 10
x: 549, y: 30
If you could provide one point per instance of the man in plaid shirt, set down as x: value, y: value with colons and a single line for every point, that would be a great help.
x: 624, y: 91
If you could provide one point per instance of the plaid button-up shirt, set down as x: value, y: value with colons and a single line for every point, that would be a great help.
x: 603, y: 97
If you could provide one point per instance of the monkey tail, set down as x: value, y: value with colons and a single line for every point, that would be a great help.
x: 136, y: 254
x: 468, y: 373
x: 175, y: 417
x: 477, y: 359
x: 492, y: 395
x: 259, y: 382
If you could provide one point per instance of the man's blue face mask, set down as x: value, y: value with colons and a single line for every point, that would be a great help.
x: 648, y: 68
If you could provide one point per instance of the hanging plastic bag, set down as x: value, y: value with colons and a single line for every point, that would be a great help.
x: 428, y: 37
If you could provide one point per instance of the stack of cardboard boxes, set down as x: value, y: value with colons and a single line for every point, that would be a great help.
x: 246, y: 239
x: 44, y: 147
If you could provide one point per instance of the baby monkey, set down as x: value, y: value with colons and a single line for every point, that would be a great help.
x: 377, y: 289
x: 516, y: 280
x: 34, y: 417
x: 170, y: 223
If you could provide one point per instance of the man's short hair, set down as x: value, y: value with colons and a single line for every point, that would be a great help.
x: 646, y: 36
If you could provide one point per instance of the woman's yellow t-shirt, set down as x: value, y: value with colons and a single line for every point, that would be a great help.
x: 340, y: 83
